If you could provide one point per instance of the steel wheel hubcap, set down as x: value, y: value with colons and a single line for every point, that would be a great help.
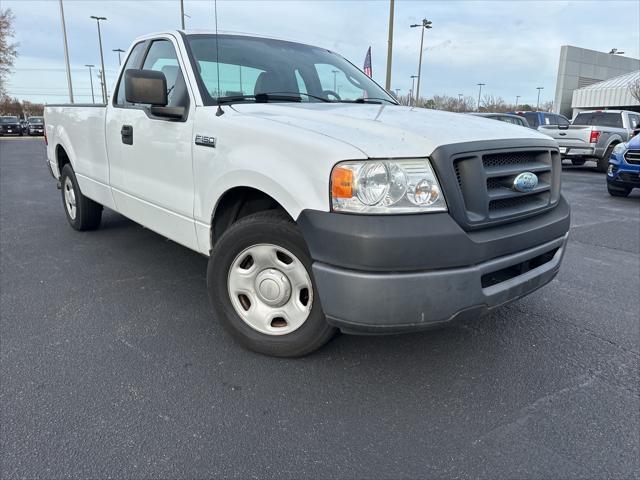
x: 270, y: 289
x: 70, y: 198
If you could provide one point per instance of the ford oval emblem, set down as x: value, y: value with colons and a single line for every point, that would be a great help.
x: 525, y: 182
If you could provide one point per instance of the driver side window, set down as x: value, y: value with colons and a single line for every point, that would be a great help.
x: 162, y: 58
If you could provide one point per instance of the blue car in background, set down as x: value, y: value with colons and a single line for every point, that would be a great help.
x: 538, y: 119
x: 623, y: 174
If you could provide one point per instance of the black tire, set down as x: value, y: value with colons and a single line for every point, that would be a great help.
x: 578, y: 161
x: 268, y: 227
x: 87, y: 212
x: 603, y: 163
x: 618, y: 191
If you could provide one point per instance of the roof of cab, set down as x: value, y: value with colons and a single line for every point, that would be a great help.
x: 220, y: 32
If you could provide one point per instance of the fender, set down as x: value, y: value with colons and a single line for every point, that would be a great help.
x: 234, y: 179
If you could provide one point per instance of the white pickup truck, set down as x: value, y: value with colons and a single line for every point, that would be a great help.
x: 321, y: 203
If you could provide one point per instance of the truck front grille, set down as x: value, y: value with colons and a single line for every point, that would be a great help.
x: 632, y: 157
x: 485, y: 181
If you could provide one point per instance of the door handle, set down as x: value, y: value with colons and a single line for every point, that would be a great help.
x: 127, y: 134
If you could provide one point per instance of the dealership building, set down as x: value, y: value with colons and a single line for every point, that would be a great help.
x: 588, y: 79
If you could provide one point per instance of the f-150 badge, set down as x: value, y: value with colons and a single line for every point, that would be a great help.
x: 206, y: 141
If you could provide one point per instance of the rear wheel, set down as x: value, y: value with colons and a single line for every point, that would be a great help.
x: 261, y: 287
x: 603, y: 162
x: 618, y: 191
x: 82, y: 212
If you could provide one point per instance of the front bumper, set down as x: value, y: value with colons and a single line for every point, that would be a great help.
x: 13, y: 131
x: 625, y: 175
x: 441, y: 272
x: 359, y: 302
x: 625, y: 178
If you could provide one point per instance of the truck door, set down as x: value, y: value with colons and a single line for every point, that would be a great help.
x: 152, y: 176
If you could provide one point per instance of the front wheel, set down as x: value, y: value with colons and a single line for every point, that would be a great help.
x: 82, y: 212
x: 261, y: 287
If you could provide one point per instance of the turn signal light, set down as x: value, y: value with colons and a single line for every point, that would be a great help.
x: 341, y: 183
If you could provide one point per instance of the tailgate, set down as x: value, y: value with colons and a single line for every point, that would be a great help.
x: 576, y: 136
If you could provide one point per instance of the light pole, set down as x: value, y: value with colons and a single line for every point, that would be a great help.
x: 397, y: 90
x: 426, y: 24
x: 182, y: 13
x: 413, y: 84
x: 119, y: 50
x: 538, y: 104
x: 93, y: 98
x: 104, y: 83
x: 517, y: 98
x: 66, y: 53
x: 480, y: 93
x: 387, y: 83
x: 335, y: 72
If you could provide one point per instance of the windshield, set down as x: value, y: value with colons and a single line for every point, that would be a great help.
x: 8, y: 119
x: 36, y: 120
x: 258, y: 66
x: 601, y: 119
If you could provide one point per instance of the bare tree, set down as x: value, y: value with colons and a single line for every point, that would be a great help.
x: 634, y: 88
x: 441, y: 102
x: 8, y: 50
x: 15, y: 107
x: 491, y: 103
x: 467, y: 104
x: 546, y: 106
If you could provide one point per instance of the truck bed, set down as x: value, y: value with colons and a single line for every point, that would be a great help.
x: 81, y: 127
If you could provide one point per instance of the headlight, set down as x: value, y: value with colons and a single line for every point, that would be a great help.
x: 619, y: 148
x: 386, y: 186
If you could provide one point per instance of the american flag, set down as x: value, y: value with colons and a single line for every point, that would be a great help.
x: 367, y: 64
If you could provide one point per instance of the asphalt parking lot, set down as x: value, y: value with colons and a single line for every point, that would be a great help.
x: 112, y: 366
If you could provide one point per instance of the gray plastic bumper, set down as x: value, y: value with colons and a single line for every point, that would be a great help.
x: 363, y: 302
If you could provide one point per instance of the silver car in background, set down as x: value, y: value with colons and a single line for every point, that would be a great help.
x: 593, y: 135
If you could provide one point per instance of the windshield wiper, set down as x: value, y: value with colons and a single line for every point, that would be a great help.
x: 268, y: 97
x: 315, y: 97
x: 369, y: 100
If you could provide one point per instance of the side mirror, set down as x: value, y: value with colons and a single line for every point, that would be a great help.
x: 150, y: 87
x: 146, y: 86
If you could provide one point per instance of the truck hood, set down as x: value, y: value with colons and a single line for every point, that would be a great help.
x: 387, y: 131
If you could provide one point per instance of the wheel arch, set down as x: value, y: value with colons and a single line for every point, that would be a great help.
x: 62, y: 158
x: 613, y: 141
x: 238, y: 202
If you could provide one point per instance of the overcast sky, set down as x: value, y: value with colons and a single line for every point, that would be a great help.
x: 511, y: 46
